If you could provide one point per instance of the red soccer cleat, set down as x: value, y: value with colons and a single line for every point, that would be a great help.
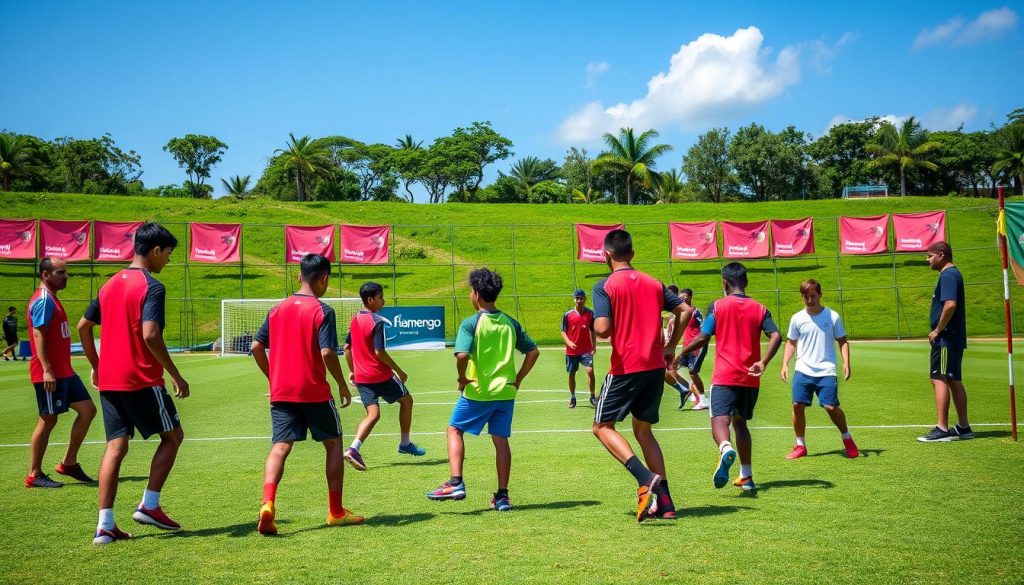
x: 797, y: 452
x: 851, y: 448
x: 104, y: 536
x: 155, y: 517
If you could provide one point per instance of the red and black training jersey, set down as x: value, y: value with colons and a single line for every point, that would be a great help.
x: 295, y: 331
x: 44, y: 310
x: 365, y: 336
x: 579, y: 328
x: 737, y: 322
x: 634, y: 302
x: 129, y: 298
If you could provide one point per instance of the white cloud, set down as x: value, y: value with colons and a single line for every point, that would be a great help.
x: 844, y: 119
x: 989, y: 25
x: 823, y: 53
x: 949, y: 118
x: 709, y: 78
x: 595, y: 70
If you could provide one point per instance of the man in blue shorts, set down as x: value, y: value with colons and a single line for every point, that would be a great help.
x: 580, y: 344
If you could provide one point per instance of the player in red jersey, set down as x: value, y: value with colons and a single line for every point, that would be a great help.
x: 130, y: 377
x: 628, y: 306
x: 580, y: 344
x: 376, y: 375
x: 302, y: 335
x: 737, y: 322
x: 57, y: 385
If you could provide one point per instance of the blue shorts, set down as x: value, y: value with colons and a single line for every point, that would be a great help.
x: 573, y: 362
x: 69, y: 391
x: 470, y: 416
x: 805, y: 387
x: 693, y: 361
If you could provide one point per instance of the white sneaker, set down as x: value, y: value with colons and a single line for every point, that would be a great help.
x: 702, y: 405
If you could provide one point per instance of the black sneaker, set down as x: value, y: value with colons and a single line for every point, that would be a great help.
x: 937, y: 435
x: 683, y: 397
x: 593, y: 401
x: 963, y: 433
x: 572, y: 402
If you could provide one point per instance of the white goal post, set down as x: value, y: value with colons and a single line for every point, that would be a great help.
x: 240, y: 319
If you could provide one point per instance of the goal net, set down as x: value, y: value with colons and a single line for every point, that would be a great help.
x: 240, y: 319
x: 865, y: 191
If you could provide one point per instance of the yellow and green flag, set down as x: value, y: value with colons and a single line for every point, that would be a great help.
x: 1011, y: 225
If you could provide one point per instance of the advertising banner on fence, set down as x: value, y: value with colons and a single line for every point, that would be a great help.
x: 114, y: 241
x: 916, y: 231
x: 693, y: 241
x: 215, y: 243
x: 864, y: 235
x: 18, y: 239
x: 68, y: 240
x: 745, y: 239
x: 590, y: 241
x: 302, y: 240
x: 792, y: 237
x: 413, y: 327
x: 365, y: 244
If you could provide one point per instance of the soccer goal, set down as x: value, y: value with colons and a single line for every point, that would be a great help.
x: 865, y: 191
x: 240, y: 319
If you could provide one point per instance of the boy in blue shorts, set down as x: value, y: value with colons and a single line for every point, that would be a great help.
x: 485, y: 360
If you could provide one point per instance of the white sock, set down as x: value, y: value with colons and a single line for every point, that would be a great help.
x: 405, y: 439
x: 847, y: 435
x: 745, y: 470
x: 724, y: 446
x: 356, y: 444
x: 800, y: 442
x: 106, y: 519
x: 150, y: 500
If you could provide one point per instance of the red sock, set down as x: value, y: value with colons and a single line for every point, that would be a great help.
x: 269, y: 492
x: 334, y: 501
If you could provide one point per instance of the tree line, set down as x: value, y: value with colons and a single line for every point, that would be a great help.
x: 751, y: 163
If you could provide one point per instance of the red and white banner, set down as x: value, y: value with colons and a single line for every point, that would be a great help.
x: 916, y: 231
x: 114, y: 241
x: 792, y: 237
x: 694, y: 241
x: 365, y: 244
x: 67, y: 240
x: 745, y: 239
x: 215, y: 243
x: 18, y: 239
x: 302, y: 240
x: 864, y: 235
x: 590, y: 240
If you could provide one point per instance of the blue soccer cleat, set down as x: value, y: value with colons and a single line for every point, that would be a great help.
x: 724, y: 463
x: 412, y: 449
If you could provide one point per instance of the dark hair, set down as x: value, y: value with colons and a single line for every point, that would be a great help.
x: 735, y: 274
x: 673, y: 288
x: 687, y: 291
x: 943, y: 248
x: 619, y: 243
x: 808, y: 285
x: 45, y: 265
x: 370, y: 290
x: 313, y: 267
x: 486, y: 283
x: 153, y: 235
x: 9, y: 309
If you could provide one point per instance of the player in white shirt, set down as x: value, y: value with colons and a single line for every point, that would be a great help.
x: 813, y: 334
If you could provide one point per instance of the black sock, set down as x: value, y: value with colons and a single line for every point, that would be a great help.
x: 642, y: 474
x: 501, y: 493
x: 455, y: 480
x: 664, y: 486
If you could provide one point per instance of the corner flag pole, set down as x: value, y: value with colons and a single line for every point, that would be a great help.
x: 1006, y: 308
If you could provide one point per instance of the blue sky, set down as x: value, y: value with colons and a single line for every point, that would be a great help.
x: 547, y: 75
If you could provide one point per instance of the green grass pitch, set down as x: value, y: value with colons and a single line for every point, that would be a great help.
x: 904, y: 512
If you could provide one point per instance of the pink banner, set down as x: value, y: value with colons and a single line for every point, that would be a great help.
x: 114, y: 241
x: 792, y: 237
x: 745, y: 239
x: 302, y: 240
x: 916, y: 231
x: 68, y: 240
x: 864, y: 235
x: 365, y: 244
x: 215, y: 243
x: 694, y: 241
x: 590, y: 240
x: 18, y: 239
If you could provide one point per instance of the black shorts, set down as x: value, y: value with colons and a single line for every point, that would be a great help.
x: 69, y: 391
x: 638, y: 394
x: 291, y: 420
x: 11, y: 339
x: 694, y: 360
x: 946, y: 363
x: 150, y: 410
x: 390, y: 390
x: 733, y: 401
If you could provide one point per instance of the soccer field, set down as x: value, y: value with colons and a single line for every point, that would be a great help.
x: 904, y: 512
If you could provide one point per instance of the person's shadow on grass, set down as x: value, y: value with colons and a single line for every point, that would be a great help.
x: 695, y: 512
x: 789, y: 483
x: 540, y: 506
x: 842, y: 452
x: 420, y: 462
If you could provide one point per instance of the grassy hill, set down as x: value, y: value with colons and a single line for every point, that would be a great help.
x: 436, y: 245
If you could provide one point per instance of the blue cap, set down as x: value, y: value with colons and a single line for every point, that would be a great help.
x: 579, y: 293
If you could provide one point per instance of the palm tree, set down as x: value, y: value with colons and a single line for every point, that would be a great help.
x: 905, y: 147
x: 408, y: 143
x: 633, y: 157
x: 237, y: 185
x: 670, y: 186
x: 306, y: 160
x: 531, y: 170
x: 1009, y: 153
x: 16, y: 159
